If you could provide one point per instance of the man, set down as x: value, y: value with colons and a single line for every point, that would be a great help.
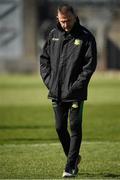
x: 67, y: 63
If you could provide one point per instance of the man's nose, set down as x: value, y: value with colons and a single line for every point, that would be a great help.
x: 65, y: 24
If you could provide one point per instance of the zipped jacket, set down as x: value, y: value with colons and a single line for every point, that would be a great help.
x: 67, y: 63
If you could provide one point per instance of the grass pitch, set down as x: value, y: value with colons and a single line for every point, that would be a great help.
x: 29, y: 146
x: 46, y: 161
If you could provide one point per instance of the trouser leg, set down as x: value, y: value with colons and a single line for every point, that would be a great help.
x: 61, y: 119
x: 76, y: 134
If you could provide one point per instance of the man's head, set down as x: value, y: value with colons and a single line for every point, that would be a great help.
x: 66, y: 17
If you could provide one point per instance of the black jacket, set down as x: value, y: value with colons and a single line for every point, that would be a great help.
x: 67, y: 62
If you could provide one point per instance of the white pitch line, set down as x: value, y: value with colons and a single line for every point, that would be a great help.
x: 57, y: 144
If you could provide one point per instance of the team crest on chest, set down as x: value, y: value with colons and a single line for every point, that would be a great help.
x: 77, y: 42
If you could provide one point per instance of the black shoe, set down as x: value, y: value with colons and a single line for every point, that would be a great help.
x: 77, y: 163
x: 72, y: 172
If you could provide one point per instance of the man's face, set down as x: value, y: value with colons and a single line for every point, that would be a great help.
x: 66, y: 20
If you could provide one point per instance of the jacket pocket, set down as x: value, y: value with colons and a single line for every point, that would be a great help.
x: 50, y: 81
x: 70, y: 92
x: 47, y: 81
x: 66, y: 91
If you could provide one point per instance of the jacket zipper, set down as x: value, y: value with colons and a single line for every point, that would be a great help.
x: 59, y: 67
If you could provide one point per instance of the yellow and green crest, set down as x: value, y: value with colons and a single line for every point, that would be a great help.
x: 77, y: 42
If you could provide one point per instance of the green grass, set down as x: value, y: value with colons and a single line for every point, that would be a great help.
x: 28, y: 141
x: 47, y: 161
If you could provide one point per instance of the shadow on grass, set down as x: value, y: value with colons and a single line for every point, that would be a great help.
x: 26, y: 127
x: 29, y: 139
x: 100, y: 175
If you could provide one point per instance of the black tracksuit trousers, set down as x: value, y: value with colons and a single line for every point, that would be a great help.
x: 70, y: 143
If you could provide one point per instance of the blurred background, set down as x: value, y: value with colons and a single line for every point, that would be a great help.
x: 25, y: 112
x: 24, y: 26
x: 28, y: 140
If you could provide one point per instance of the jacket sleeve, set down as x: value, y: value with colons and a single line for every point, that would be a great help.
x: 89, y: 66
x: 45, y: 67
